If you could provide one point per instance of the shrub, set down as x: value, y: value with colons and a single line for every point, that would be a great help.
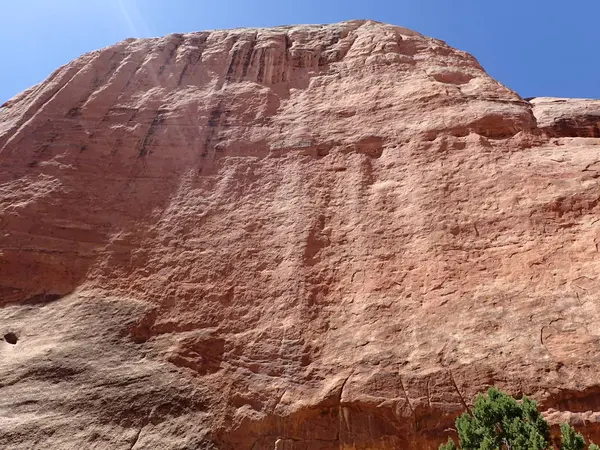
x: 499, y: 422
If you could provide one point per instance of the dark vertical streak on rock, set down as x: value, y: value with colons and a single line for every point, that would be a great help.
x: 185, y: 68
x: 149, y: 135
x: 199, y: 43
x: 99, y: 81
x: 222, y: 80
x: 131, y: 77
x: 171, y: 54
x: 248, y: 57
x: 215, y: 115
x: 214, y: 122
x: 35, y: 107
x: 232, y: 65
x: 261, y: 65
x: 135, y: 72
x: 286, y: 64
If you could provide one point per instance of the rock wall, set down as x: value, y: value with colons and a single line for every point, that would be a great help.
x: 311, y: 237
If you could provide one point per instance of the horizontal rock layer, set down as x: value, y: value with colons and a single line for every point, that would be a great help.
x: 312, y: 237
x: 568, y: 117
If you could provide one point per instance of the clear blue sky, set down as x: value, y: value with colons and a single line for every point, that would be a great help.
x: 535, y: 47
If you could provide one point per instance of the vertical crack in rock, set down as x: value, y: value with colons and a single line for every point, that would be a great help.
x: 138, y: 434
x: 341, y: 415
x: 136, y: 438
x: 462, y: 399
x: 412, y: 410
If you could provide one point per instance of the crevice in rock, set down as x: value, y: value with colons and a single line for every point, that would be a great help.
x: 462, y: 399
x: 11, y: 338
x: 137, y: 435
x: 410, y: 406
x: 38, y: 299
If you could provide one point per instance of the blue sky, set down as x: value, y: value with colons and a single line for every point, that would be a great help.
x: 536, y: 48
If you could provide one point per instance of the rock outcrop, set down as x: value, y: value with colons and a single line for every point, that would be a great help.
x: 312, y: 237
x: 568, y: 117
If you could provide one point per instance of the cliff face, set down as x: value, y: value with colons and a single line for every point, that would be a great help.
x: 312, y: 237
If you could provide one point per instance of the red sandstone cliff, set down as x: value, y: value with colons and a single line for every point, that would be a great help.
x: 312, y: 237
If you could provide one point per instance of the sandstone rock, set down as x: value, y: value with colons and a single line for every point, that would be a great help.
x: 567, y: 116
x: 312, y: 237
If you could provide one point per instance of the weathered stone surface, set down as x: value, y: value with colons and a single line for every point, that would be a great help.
x: 568, y: 117
x: 313, y: 237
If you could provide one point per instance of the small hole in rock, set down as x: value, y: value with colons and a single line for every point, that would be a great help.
x: 11, y: 338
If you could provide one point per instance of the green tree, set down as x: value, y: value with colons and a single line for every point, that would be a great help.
x: 570, y: 439
x: 499, y: 422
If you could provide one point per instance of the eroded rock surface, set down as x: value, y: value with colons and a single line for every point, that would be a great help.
x: 568, y: 117
x: 312, y: 237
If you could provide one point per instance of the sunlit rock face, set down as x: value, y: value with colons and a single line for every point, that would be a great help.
x: 296, y: 238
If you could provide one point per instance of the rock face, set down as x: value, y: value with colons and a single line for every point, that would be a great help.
x: 312, y: 237
x: 568, y: 117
